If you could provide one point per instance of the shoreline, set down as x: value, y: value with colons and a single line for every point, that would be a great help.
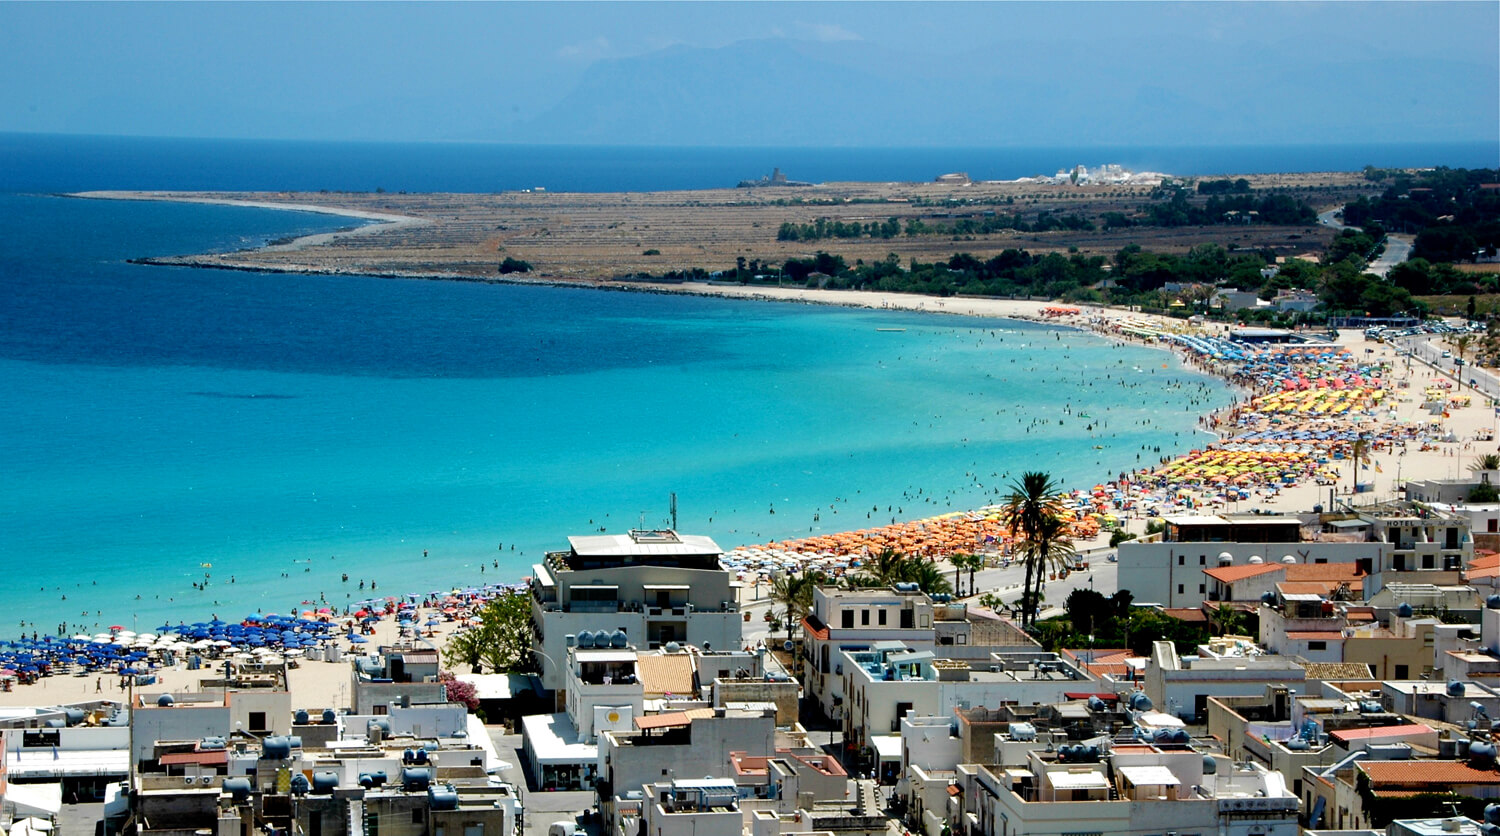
x: 1102, y: 321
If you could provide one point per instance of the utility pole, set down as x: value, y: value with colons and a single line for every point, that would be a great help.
x: 674, y: 510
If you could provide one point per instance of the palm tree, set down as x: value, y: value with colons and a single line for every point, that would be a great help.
x: 1462, y: 343
x: 794, y: 592
x: 1485, y: 462
x: 962, y: 561
x: 927, y: 576
x: 888, y: 566
x: 1033, y: 512
x: 1359, y: 453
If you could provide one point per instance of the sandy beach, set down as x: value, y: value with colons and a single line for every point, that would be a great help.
x: 1421, y: 454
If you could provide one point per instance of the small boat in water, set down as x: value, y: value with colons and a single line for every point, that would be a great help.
x: 896, y: 330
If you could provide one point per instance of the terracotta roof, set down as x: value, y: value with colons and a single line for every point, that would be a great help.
x: 1322, y: 571
x: 666, y: 673
x: 1230, y: 574
x: 1193, y: 614
x: 1359, y: 613
x: 209, y: 757
x: 1314, y: 635
x: 1424, y: 773
x: 1484, y: 567
x: 1403, y: 730
x: 1306, y: 587
x: 814, y: 628
x: 1337, y: 671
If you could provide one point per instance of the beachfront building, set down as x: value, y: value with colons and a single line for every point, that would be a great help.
x: 659, y: 587
x: 891, y: 680
x: 1129, y: 790
x: 1229, y: 666
x: 1173, y: 572
x: 859, y: 619
x: 1208, y: 558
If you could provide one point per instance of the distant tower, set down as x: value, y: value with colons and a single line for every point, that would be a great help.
x: 777, y: 176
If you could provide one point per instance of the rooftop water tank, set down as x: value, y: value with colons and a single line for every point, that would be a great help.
x: 1492, y: 813
x: 1139, y: 702
x: 1096, y: 704
x: 1210, y: 766
x: 1404, y: 610
x: 212, y: 744
x: 238, y: 789
x: 586, y: 639
x: 1370, y: 707
x: 300, y: 717
x: 672, y: 647
x: 276, y: 748
x: 1022, y: 731
x: 1268, y: 598
x: 324, y: 783
x: 415, y: 779
x: 1455, y: 688
x: 618, y: 640
x: 1226, y: 559
x: 329, y: 716
x: 1297, y: 744
x: 369, y: 780
x: 445, y: 798
x: 74, y: 716
x: 165, y: 701
x: 1256, y: 560
x: 1493, y: 602
x: 299, y: 784
x: 1481, y: 754
x: 1288, y: 559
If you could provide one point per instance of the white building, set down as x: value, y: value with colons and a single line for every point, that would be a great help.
x: 1135, y: 790
x: 1181, y: 685
x: 659, y: 587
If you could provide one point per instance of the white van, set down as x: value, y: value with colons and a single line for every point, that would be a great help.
x: 562, y: 828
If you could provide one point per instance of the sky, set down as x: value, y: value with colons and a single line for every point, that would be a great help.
x: 519, y: 71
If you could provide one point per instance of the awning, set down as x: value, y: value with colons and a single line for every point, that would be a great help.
x: 1148, y: 776
x: 674, y: 587
x: 673, y: 719
x: 43, y: 800
x: 1089, y: 780
x: 887, y: 746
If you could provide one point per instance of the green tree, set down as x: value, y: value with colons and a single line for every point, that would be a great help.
x: 502, y: 639
x: 1033, y: 512
x: 515, y: 265
x: 794, y: 593
x: 961, y: 562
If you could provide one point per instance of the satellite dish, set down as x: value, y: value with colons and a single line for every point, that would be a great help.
x: 787, y: 645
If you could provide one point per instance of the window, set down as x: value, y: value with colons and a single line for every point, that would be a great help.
x: 1493, y: 524
x: 1179, y: 589
x: 1202, y: 588
x: 258, y: 722
x: 1317, y: 645
x: 416, y: 815
x: 1202, y: 560
x: 1427, y: 561
x: 1402, y: 672
x: 880, y: 617
x: 864, y: 618
x: 1181, y: 560
x: 847, y: 618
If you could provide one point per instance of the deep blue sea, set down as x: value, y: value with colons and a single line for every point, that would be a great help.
x: 160, y: 427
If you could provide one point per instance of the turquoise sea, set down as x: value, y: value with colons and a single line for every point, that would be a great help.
x: 288, y: 430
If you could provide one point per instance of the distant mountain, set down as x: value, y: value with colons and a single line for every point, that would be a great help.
x: 1023, y: 92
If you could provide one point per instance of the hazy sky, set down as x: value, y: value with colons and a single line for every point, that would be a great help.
x: 480, y: 70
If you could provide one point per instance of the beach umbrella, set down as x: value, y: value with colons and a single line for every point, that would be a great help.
x: 357, y: 639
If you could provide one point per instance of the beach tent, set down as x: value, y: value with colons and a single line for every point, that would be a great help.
x: 41, y: 800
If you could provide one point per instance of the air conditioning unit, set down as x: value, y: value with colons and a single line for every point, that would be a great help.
x: 206, y: 780
x: 187, y: 779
